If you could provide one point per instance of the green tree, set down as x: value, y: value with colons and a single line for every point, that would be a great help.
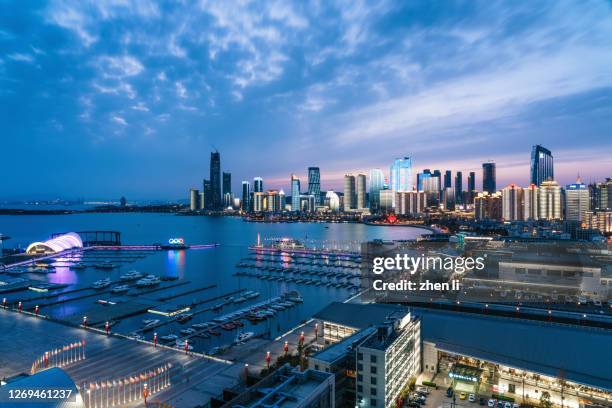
x: 545, y: 400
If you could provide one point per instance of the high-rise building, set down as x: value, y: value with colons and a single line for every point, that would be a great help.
x: 549, y: 197
x: 541, y: 165
x: 273, y: 201
x: 488, y: 206
x: 215, y: 180
x: 350, y: 201
x: 448, y: 182
x: 401, y: 176
x: 426, y: 174
x: 258, y: 185
x: 600, y: 220
x: 489, y: 178
x: 332, y: 201
x: 602, y: 195
x: 377, y: 181
x: 259, y: 201
x: 576, y: 201
x: 295, y: 193
x: 314, y: 184
x: 202, y: 201
x: 448, y: 199
x: 512, y: 203
x: 246, y: 196
x: 227, y: 190
x: 471, y: 187
x: 361, y: 191
x: 206, y: 189
x: 386, y: 200
x: 459, y: 188
x: 282, y: 198
x: 410, y: 203
x: 307, y: 203
x: 531, y: 204
x: 194, y: 199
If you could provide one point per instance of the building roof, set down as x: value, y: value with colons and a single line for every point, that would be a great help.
x: 339, y: 350
x: 359, y: 315
x: 58, y: 244
x: 52, y: 378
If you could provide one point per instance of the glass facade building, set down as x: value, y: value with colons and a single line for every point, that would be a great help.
x: 541, y: 165
x: 314, y: 184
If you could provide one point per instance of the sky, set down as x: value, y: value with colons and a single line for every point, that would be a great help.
x: 116, y: 97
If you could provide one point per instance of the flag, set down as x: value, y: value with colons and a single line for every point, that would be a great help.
x: 92, y: 386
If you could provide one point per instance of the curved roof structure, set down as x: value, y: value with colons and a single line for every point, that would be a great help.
x: 52, y: 378
x: 57, y: 244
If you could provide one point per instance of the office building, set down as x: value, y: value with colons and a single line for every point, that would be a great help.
x: 410, y: 203
x: 387, y: 360
x: 488, y: 206
x: 431, y: 188
x: 386, y: 200
x: 314, y: 184
x: 602, y: 195
x: 471, y: 187
x: 531, y: 204
x: 259, y: 202
x: 448, y: 199
x: 273, y: 201
x: 361, y: 191
x: 295, y: 193
x: 459, y: 188
x: 283, y: 199
x: 541, y: 165
x: 350, y: 199
x: 426, y: 174
x: 207, y: 194
x: 512, y: 203
x: 489, y: 178
x: 332, y: 201
x: 246, y: 196
x: 401, y: 176
x: 215, y: 180
x: 194, y: 199
x: 377, y: 181
x: 576, y: 201
x: 600, y: 220
x: 448, y: 182
x: 549, y: 197
x: 307, y: 203
x: 227, y: 190
x: 202, y: 201
x: 258, y: 185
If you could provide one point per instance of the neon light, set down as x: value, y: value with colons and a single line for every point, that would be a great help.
x: 59, y: 244
x: 174, y: 241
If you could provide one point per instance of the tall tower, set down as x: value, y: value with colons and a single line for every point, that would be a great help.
x: 258, y: 185
x: 246, y: 196
x: 488, y: 178
x: 314, y: 184
x: 227, y: 189
x: 215, y: 180
x: 361, y: 191
x: 447, y: 179
x: 295, y: 193
x: 459, y: 188
x: 541, y: 165
x: 349, y: 192
x: 377, y: 182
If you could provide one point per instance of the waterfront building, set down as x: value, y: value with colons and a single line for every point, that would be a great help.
x: 576, y: 201
x: 531, y: 204
x: 273, y: 201
x: 258, y: 185
x: 361, y: 191
x: 227, y: 190
x: 307, y: 203
x: 426, y: 174
x: 401, y: 176
x: 283, y: 199
x: 386, y: 200
x: 377, y: 181
x: 459, y: 188
x: 194, y: 199
x: 295, y: 193
x: 541, y: 165
x: 288, y: 388
x: 448, y: 198
x: 56, y: 244
x: 387, y: 360
x: 410, y: 203
x: 488, y: 206
x: 549, y: 198
x: 600, y: 220
x: 448, y: 179
x: 259, y: 201
x: 350, y: 199
x: 512, y: 203
x: 314, y: 184
x: 202, y: 201
x: 489, y: 184
x: 332, y: 201
x: 215, y: 180
x: 206, y: 189
x: 431, y: 187
x: 246, y: 196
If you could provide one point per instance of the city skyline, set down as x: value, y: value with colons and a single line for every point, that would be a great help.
x: 100, y: 103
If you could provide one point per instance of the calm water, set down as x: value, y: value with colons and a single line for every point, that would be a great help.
x: 201, y: 267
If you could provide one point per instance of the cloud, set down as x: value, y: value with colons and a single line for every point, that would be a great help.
x: 140, y: 106
x: 119, y: 67
x: 181, y: 91
x: 21, y: 57
x: 119, y: 120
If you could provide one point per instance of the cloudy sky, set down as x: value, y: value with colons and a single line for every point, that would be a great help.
x: 117, y: 97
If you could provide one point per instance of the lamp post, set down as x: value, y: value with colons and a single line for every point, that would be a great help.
x: 4, y: 303
x: 186, y: 346
x: 107, y: 328
x: 36, y: 310
x: 84, y: 321
x: 302, y: 339
x: 316, y: 331
x: 268, y: 358
x: 286, y: 348
x: 20, y: 306
x: 155, y: 340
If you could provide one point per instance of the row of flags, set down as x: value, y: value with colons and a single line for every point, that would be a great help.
x: 132, y: 379
x: 43, y: 361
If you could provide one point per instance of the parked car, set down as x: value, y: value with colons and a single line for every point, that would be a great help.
x: 463, y: 395
x: 507, y: 405
x: 482, y: 401
x: 472, y: 398
x: 449, y: 392
x: 491, y: 403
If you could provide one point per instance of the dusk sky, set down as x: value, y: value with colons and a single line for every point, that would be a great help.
x: 108, y: 98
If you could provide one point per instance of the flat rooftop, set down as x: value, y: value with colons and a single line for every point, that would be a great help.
x: 338, y: 350
x: 360, y: 315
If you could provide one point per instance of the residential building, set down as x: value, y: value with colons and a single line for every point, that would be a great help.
x: 512, y: 203
x: 361, y: 191
x: 549, y: 197
x: 488, y: 206
x: 489, y: 184
x: 576, y: 201
x: 350, y: 199
x: 194, y: 199
x: 410, y: 203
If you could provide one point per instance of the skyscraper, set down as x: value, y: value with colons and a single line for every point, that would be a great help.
x: 472, y: 182
x: 227, y: 190
x: 246, y: 196
x: 488, y: 178
x: 447, y: 179
x: 194, y: 199
x: 576, y: 201
x: 314, y: 184
x: 377, y: 181
x: 549, y: 197
x: 541, y: 165
x: 531, y: 205
x: 459, y: 188
x: 349, y: 192
x: 258, y: 185
x: 295, y: 193
x: 488, y: 206
x: 602, y: 195
x: 420, y: 178
x: 207, y: 194
x: 361, y: 191
x: 401, y: 175
x: 215, y: 180
x: 512, y: 203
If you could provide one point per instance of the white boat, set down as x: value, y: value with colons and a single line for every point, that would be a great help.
x: 149, y: 323
x: 240, y: 299
x: 102, y: 283
x: 131, y: 275
x: 242, y: 337
x: 105, y: 265
x: 147, y: 281
x: 187, y: 331
x: 79, y: 265
x: 200, y: 325
x: 120, y: 289
x: 169, y: 337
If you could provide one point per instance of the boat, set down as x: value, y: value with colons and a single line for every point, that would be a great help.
x: 149, y: 324
x: 79, y: 265
x: 238, y: 323
x: 174, y: 243
x: 148, y: 281
x: 242, y: 337
x: 183, y: 317
x: 228, y: 326
x: 214, y: 332
x: 183, y: 344
x: 188, y: 331
x: 240, y: 299
x: 120, y: 289
x: 169, y: 278
x: 200, y: 325
x: 101, y: 284
x: 131, y: 275
x: 105, y: 265
x: 219, y: 319
x: 169, y: 337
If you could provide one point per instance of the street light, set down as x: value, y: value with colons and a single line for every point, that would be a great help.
x: 20, y: 306
x: 155, y: 340
x: 268, y: 358
x: 36, y: 310
x: 85, y: 321
x: 286, y: 347
x: 107, y: 328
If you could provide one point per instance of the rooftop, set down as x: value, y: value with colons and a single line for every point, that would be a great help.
x: 342, y: 348
x: 360, y: 315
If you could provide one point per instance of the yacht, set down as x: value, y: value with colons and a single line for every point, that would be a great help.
x: 149, y: 324
x: 101, y: 284
x: 105, y: 265
x: 183, y: 317
x: 147, y: 281
x: 79, y: 265
x: 242, y: 337
x: 169, y: 337
x: 131, y: 275
x: 120, y: 289
x: 240, y: 299
x: 188, y: 331
x: 200, y: 325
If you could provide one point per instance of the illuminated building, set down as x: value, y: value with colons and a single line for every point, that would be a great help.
x: 314, y: 184
x: 57, y: 244
x: 194, y: 199
x: 259, y: 201
x: 531, y: 205
x: 549, y: 197
x: 488, y: 206
x: 258, y: 185
x: 489, y: 184
x: 377, y: 180
x: 349, y: 192
x: 215, y: 180
x: 410, y: 203
x: 459, y: 188
x: 512, y: 203
x: 541, y: 165
x: 401, y: 176
x: 600, y: 220
x: 295, y: 193
x: 361, y: 191
x: 332, y: 201
x: 386, y: 201
x: 576, y: 201
x: 246, y: 196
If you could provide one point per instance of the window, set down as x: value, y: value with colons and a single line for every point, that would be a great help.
x: 520, y: 271
x: 359, y: 367
x: 373, y: 359
x: 373, y: 380
x: 359, y: 377
x: 372, y: 391
x: 373, y: 369
x: 360, y: 388
x: 534, y: 271
x: 359, y: 356
x: 316, y: 367
x: 373, y: 402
